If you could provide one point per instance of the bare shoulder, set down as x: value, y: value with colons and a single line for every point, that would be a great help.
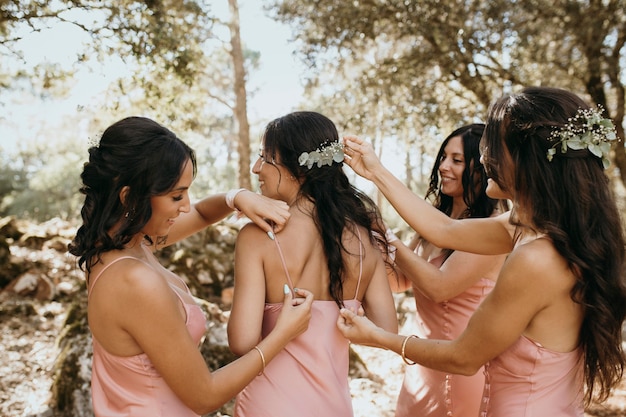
x: 252, y: 244
x: 250, y: 233
x: 537, y: 262
x: 130, y: 278
x: 539, y: 252
x: 249, y: 229
x: 361, y: 242
x: 125, y: 290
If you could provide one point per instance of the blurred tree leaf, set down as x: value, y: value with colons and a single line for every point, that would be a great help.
x: 449, y: 59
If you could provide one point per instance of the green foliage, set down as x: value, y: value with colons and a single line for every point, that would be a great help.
x: 44, y: 182
x: 430, y: 64
x: 178, y: 72
x: 149, y: 31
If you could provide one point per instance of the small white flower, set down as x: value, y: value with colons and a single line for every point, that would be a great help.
x: 587, y: 130
x: 324, y: 155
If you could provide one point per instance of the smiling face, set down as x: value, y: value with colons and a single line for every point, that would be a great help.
x: 167, y: 207
x: 451, y: 167
x: 268, y: 173
x: 275, y: 180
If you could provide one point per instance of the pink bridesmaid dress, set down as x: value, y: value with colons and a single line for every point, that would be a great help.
x: 309, y: 377
x: 429, y: 393
x: 130, y: 386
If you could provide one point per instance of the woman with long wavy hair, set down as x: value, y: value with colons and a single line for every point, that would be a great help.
x: 448, y: 285
x: 549, y: 333
x: 328, y: 248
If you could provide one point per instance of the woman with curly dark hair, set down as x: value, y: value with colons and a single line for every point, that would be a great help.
x: 448, y: 285
x: 328, y: 248
x: 549, y: 333
x: 145, y: 324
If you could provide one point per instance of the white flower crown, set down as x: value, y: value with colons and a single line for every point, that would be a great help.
x: 324, y: 155
x: 587, y: 130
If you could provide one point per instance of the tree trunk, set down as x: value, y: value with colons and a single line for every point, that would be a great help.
x: 241, y: 102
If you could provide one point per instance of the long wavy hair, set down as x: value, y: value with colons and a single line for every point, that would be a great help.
x: 473, y: 179
x: 135, y: 152
x: 338, y: 205
x: 570, y: 200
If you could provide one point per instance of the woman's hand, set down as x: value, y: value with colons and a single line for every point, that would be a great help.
x: 356, y: 327
x: 294, y: 317
x: 269, y: 214
x: 360, y: 156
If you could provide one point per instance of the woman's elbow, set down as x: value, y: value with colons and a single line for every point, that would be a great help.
x: 237, y: 350
x: 206, y: 406
x: 464, y: 366
x: 436, y: 295
x: 389, y: 324
x: 391, y: 327
x: 238, y: 346
x: 468, y: 370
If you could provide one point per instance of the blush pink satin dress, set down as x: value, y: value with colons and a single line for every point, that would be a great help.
x: 130, y: 386
x: 309, y: 377
x: 528, y: 380
x: 429, y: 393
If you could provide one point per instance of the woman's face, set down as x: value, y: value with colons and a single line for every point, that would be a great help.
x: 451, y: 167
x: 494, y: 190
x: 167, y: 207
x: 273, y: 178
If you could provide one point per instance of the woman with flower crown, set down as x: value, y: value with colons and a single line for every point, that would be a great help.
x: 549, y: 333
x: 328, y: 248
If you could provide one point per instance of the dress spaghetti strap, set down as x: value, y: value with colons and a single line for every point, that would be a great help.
x: 290, y: 282
x: 282, y: 260
x: 93, y: 282
x: 358, y: 283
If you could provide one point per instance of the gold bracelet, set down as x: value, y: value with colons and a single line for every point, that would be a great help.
x: 404, y: 347
x: 258, y: 349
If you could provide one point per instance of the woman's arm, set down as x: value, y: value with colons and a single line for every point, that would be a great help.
x: 264, y: 211
x: 507, y: 312
x: 459, y: 272
x: 398, y: 282
x: 486, y: 236
x: 378, y: 301
x: 246, y: 314
x: 150, y: 314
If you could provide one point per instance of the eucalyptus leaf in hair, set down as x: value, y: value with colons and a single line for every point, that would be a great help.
x: 587, y: 130
x: 324, y: 155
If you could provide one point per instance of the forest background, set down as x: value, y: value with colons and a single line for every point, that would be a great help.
x: 399, y: 73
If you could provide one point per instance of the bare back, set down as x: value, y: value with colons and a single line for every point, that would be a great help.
x: 260, y: 275
x: 306, y: 261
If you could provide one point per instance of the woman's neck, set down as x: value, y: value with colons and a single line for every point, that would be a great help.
x: 458, y: 207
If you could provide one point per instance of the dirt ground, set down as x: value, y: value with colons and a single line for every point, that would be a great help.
x: 27, y: 338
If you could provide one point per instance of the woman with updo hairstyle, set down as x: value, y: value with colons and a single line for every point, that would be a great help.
x: 146, y: 327
x: 550, y: 332
x: 329, y: 248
